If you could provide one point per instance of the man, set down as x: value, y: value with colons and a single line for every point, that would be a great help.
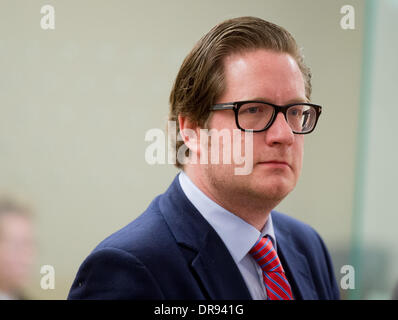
x: 17, y: 249
x: 213, y: 234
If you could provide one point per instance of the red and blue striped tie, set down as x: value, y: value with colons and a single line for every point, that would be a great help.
x: 275, y: 281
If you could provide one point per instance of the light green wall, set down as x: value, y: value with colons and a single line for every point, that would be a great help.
x: 75, y: 104
x: 376, y: 217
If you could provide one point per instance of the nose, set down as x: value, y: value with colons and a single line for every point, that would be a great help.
x: 279, y: 132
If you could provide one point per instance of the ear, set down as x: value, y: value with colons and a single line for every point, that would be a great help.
x: 190, y: 134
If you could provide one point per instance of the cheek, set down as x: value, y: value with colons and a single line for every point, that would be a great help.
x: 222, y: 120
x: 298, y: 151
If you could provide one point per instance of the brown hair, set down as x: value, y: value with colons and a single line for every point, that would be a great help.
x: 200, y: 80
x: 14, y: 207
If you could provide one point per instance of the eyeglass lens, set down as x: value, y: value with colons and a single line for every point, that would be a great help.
x: 256, y: 116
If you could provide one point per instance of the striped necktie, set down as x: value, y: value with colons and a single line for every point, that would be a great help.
x: 275, y: 281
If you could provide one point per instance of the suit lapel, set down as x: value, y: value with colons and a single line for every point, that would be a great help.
x: 294, y: 263
x: 218, y: 272
x: 213, y: 264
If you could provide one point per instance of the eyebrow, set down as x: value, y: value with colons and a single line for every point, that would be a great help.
x: 291, y: 101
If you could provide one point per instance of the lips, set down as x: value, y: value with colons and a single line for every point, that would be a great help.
x: 274, y: 163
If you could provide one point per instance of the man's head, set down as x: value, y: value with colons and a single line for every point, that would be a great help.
x: 243, y: 59
x: 16, y: 245
x: 201, y: 79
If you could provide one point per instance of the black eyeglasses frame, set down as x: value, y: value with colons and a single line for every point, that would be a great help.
x: 235, y: 106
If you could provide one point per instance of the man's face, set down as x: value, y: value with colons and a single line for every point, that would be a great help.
x: 277, y: 152
x: 16, y: 251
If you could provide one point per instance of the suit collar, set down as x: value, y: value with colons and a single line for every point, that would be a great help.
x: 225, y: 223
x: 212, y: 263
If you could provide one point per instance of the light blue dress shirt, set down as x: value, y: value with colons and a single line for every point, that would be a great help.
x: 238, y: 236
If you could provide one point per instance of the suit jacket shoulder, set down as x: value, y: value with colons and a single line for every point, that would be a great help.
x: 140, y: 261
x: 168, y: 252
x: 306, y: 257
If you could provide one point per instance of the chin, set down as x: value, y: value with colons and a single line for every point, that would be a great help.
x: 274, y: 191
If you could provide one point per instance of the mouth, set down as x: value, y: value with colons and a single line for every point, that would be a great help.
x: 274, y: 164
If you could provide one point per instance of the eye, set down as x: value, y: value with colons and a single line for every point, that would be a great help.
x: 251, y: 110
x: 295, y: 112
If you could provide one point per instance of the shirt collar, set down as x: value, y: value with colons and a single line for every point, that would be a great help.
x: 238, y: 235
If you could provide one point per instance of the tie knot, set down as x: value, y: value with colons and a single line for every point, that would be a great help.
x: 265, y: 255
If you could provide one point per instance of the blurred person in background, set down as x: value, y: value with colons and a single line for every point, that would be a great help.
x: 16, y: 248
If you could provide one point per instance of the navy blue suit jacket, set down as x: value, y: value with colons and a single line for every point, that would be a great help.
x: 171, y: 252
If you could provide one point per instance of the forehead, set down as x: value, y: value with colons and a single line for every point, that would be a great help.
x: 261, y: 73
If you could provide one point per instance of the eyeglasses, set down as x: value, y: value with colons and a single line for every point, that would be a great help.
x: 257, y: 116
